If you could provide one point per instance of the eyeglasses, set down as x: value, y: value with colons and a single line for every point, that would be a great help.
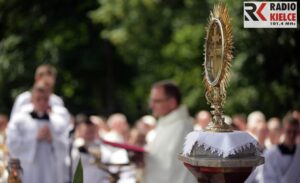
x: 158, y: 100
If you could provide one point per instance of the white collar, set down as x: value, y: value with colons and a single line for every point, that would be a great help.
x: 179, y: 113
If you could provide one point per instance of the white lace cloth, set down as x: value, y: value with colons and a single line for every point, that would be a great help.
x: 224, y: 144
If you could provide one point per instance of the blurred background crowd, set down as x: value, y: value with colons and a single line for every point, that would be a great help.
x: 79, y: 133
x: 114, y: 50
x: 107, y: 55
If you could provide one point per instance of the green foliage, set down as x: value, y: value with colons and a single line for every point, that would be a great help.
x: 161, y: 39
x: 164, y: 39
x: 62, y: 34
x: 109, y: 52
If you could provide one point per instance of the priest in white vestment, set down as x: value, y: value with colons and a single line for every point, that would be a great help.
x: 47, y: 74
x: 282, y: 162
x: 38, y: 137
x: 174, y: 123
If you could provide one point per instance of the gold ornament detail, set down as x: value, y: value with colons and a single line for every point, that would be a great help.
x: 218, y: 55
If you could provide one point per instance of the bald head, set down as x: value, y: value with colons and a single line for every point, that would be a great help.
x: 254, y: 119
x: 274, y: 127
x: 203, y: 118
x: 118, y: 122
x: 274, y: 124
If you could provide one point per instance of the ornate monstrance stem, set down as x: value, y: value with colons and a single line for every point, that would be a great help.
x: 218, y: 55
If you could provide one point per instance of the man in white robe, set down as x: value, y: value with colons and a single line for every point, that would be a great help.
x: 47, y: 73
x: 38, y: 137
x: 86, y: 140
x: 282, y: 162
x: 87, y: 145
x: 174, y: 123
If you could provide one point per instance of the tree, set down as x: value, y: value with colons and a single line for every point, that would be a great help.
x: 164, y: 39
x: 109, y: 53
x: 59, y: 33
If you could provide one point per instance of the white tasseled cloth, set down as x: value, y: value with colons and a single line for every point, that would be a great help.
x: 224, y: 144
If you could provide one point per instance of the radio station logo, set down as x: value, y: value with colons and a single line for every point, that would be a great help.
x: 270, y: 14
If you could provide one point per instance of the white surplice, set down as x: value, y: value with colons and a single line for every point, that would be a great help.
x: 25, y: 99
x: 162, y: 164
x: 281, y: 168
x: 42, y: 162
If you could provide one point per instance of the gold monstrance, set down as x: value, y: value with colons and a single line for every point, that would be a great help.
x: 218, y: 55
x: 219, y: 154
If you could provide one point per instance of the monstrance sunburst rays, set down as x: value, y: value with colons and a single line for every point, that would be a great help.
x: 218, y: 55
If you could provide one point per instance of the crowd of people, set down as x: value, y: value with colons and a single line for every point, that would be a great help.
x: 49, y: 141
x: 278, y: 140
